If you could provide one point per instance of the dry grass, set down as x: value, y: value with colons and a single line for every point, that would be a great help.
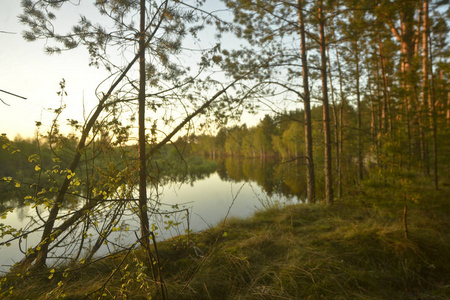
x: 351, y: 250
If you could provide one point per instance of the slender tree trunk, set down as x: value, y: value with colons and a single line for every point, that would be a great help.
x: 326, y: 114
x: 373, y: 105
x: 341, y: 123
x: 380, y: 110
x: 426, y: 104
x: 151, y: 263
x: 358, y: 107
x: 336, y: 128
x: 448, y: 108
x: 373, y: 123
x: 406, y: 36
x: 442, y: 102
x: 433, y: 119
x: 405, y: 221
x: 310, y: 176
x: 384, y: 112
x: 143, y: 213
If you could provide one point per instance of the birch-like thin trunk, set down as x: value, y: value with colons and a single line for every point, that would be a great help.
x: 310, y: 176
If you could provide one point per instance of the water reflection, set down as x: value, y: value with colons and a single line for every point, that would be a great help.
x: 234, y: 188
x: 276, y: 178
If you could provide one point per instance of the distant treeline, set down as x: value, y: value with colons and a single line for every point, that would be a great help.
x: 281, y: 136
x: 29, y: 164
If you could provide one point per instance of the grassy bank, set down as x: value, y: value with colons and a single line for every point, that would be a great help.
x: 354, y: 249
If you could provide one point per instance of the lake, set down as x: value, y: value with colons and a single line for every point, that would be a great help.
x: 236, y: 189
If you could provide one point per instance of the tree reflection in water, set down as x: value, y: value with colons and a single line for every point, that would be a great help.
x: 202, y: 193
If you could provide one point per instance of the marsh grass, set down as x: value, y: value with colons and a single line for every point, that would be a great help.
x: 354, y: 249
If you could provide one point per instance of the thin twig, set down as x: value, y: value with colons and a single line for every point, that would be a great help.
x: 12, y: 95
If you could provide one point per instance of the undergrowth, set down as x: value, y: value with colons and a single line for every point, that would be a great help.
x: 353, y: 249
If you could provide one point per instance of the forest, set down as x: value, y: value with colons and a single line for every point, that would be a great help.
x: 352, y: 102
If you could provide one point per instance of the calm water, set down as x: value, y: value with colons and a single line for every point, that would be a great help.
x: 209, y: 200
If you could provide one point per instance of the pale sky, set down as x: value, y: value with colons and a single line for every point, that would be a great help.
x: 28, y: 72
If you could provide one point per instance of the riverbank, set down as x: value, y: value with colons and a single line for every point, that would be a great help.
x: 355, y: 249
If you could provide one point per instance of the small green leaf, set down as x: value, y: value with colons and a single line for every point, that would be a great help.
x: 33, y: 157
x: 7, y: 179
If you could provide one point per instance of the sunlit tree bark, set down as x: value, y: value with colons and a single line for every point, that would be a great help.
x: 310, y: 186
x: 326, y: 115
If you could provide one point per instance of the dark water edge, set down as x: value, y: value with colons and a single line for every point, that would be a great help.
x: 205, y: 193
x: 276, y: 177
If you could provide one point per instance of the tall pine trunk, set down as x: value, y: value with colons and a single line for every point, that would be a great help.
x: 428, y: 72
x: 358, y: 120
x: 310, y: 176
x: 340, y: 146
x: 426, y: 103
x: 380, y: 108
x: 336, y: 128
x: 384, y: 112
x: 326, y: 114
